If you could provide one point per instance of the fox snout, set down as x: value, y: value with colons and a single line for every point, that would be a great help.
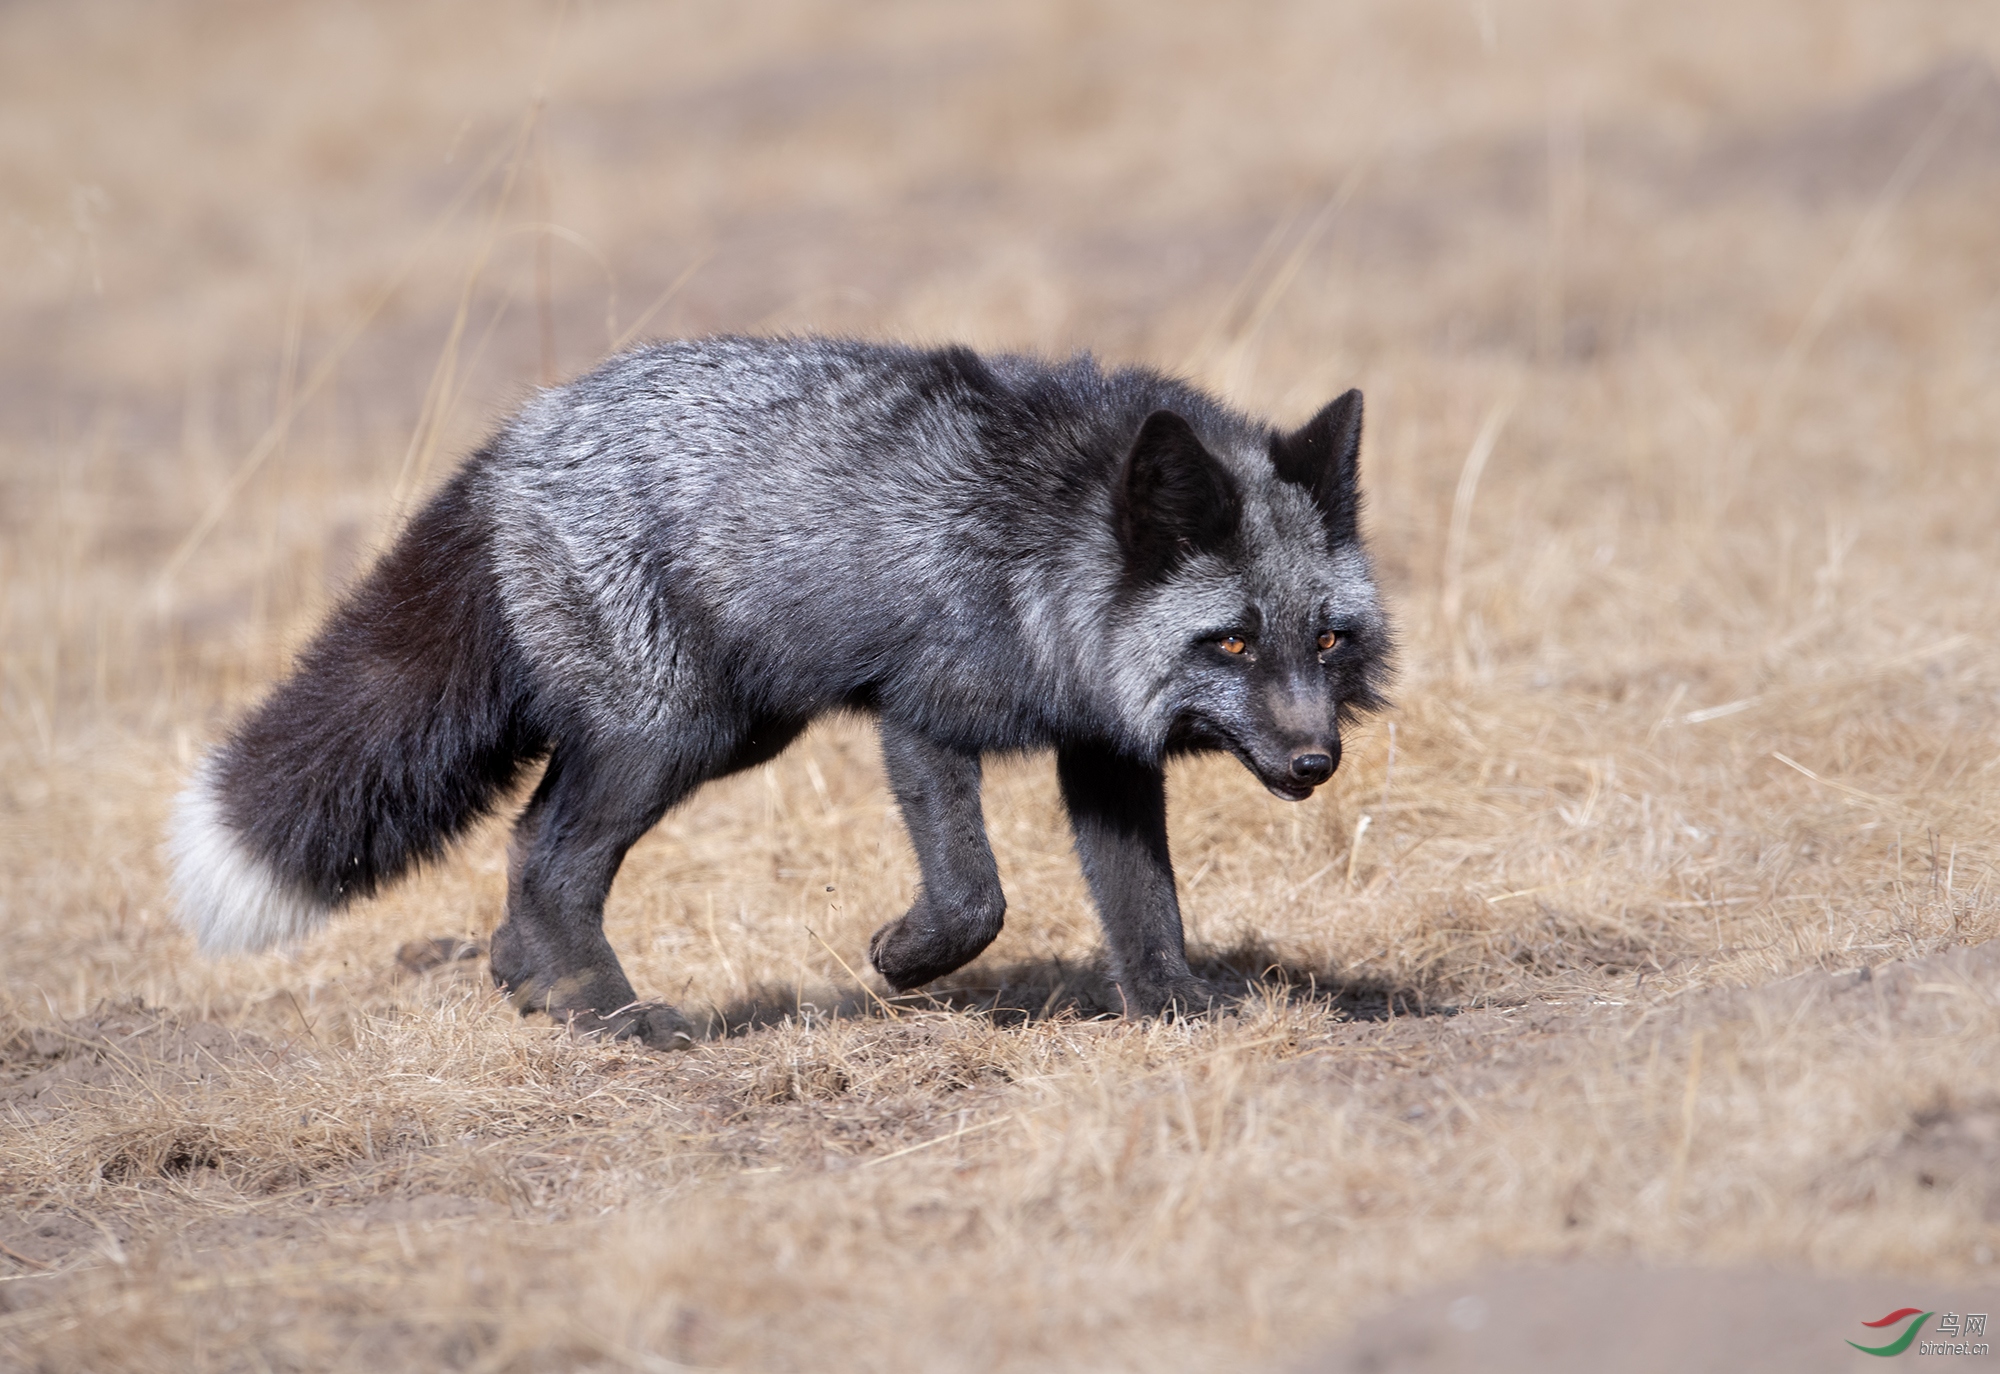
x: 1312, y: 767
x: 1298, y: 768
x: 1292, y: 768
x: 1296, y: 746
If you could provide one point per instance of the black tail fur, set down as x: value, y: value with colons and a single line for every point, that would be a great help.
x: 404, y: 721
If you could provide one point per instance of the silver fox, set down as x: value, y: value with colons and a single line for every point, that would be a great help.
x: 661, y: 572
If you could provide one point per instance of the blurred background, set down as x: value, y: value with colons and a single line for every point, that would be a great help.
x: 271, y: 268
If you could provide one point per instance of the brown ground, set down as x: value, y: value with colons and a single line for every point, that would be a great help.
x: 1581, y: 1318
x: 1680, y: 327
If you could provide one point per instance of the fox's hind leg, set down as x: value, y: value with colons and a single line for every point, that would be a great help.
x: 959, y: 908
x: 593, y: 803
x: 1118, y: 813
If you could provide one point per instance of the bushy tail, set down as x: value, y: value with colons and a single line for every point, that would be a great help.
x: 404, y: 721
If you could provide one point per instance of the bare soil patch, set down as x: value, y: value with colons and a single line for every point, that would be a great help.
x: 1570, y: 1319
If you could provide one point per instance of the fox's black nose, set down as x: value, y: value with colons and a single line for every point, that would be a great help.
x: 1313, y: 769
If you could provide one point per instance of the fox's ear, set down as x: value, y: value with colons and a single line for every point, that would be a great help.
x: 1323, y: 455
x: 1173, y: 498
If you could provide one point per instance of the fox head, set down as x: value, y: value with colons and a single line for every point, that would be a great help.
x: 1251, y: 612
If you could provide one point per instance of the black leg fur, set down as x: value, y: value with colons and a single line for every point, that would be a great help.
x: 1118, y: 813
x: 960, y: 906
x: 593, y: 803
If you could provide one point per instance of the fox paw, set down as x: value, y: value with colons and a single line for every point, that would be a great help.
x: 655, y: 1025
x: 915, y: 949
x: 1185, y: 998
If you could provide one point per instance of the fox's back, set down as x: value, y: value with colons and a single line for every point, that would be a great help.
x: 810, y: 520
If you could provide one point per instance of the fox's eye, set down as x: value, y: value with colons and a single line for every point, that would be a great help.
x: 1231, y: 644
x: 1327, y: 640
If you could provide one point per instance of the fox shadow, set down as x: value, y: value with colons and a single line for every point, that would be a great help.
x: 1026, y: 991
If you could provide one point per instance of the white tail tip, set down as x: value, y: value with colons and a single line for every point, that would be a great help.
x: 232, y: 900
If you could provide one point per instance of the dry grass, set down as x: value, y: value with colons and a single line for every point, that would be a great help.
x: 1681, y: 334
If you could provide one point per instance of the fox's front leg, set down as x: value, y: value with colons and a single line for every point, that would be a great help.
x: 1118, y: 813
x: 959, y: 907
